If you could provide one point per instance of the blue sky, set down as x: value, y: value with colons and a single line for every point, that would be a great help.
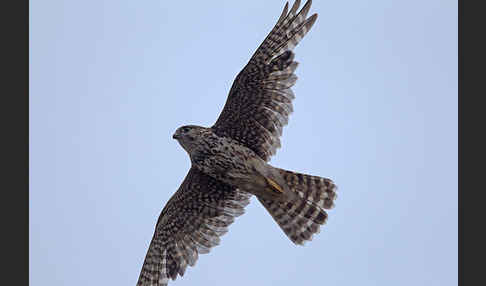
x: 375, y: 110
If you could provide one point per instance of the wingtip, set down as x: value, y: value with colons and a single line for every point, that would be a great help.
x: 284, y: 13
x: 295, y: 6
x: 312, y: 19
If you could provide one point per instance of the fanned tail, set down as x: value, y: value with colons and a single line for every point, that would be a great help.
x: 301, y: 216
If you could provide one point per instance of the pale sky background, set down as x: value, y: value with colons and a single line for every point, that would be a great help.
x: 375, y: 110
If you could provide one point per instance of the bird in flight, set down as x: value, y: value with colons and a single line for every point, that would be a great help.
x: 229, y: 162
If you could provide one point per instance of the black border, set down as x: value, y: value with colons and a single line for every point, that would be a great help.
x: 471, y: 189
x: 15, y: 139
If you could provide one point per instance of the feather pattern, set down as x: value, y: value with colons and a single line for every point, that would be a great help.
x: 190, y: 224
x: 301, y: 217
x: 260, y: 100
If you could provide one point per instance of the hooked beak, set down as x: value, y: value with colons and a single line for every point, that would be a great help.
x: 175, y: 136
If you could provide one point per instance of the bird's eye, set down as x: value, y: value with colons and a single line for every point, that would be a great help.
x: 185, y: 129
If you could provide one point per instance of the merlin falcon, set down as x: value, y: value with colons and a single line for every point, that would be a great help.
x: 229, y: 162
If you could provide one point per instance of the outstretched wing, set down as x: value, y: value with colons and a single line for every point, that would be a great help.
x: 190, y: 224
x: 260, y: 99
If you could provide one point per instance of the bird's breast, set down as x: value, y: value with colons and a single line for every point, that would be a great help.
x: 224, y: 160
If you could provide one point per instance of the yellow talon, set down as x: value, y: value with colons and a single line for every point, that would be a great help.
x: 274, y: 186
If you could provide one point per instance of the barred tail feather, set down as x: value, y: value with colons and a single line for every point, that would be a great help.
x: 301, y: 216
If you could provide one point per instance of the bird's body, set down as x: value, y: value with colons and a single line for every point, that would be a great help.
x: 227, y: 160
x: 229, y: 163
x: 222, y: 158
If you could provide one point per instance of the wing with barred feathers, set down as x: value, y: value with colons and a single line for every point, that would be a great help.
x: 190, y: 224
x: 260, y: 100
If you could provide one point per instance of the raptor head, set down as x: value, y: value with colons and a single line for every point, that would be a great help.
x: 188, y: 136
